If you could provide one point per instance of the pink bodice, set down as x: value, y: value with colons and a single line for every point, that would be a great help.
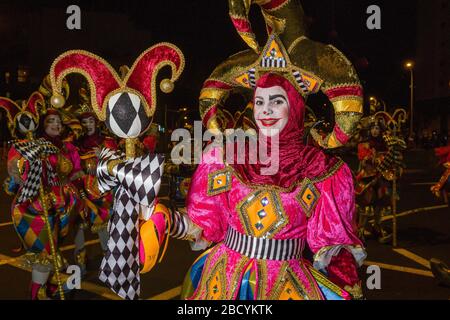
x: 320, y: 210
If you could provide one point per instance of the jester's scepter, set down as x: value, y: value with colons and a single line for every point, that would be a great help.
x: 26, y: 118
x: 127, y: 105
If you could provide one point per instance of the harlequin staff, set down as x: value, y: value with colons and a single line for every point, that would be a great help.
x: 127, y: 105
x: 26, y: 120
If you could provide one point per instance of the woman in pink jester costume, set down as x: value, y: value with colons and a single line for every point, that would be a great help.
x: 260, y: 224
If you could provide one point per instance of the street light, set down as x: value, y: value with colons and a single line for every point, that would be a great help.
x: 409, y: 65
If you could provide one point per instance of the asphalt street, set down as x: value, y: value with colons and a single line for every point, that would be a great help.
x: 405, y: 271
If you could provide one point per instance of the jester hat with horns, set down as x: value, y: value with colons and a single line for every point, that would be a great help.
x: 126, y: 105
x: 24, y: 117
x: 310, y: 66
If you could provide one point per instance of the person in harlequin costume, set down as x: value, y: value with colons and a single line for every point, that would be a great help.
x: 22, y: 122
x: 381, y: 162
x: 98, y: 205
x: 61, y: 178
x: 372, y: 189
x: 443, y: 153
x: 259, y: 224
x: 126, y: 103
x: 440, y: 269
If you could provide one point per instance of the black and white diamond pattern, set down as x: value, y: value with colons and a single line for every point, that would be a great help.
x: 142, y: 177
x: 25, y: 123
x: 106, y: 182
x: 126, y: 116
x: 33, y: 152
x: 139, y: 181
x: 120, y: 266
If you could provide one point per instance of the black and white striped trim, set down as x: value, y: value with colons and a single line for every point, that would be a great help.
x: 271, y: 62
x: 298, y: 77
x: 180, y: 225
x: 265, y: 249
x: 252, y: 77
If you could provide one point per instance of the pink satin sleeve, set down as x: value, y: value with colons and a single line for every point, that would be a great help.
x: 333, y: 221
x: 74, y: 158
x: 207, y: 212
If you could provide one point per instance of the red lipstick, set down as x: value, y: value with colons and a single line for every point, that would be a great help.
x: 269, y: 122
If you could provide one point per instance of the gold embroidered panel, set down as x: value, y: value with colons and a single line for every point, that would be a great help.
x: 216, y: 284
x: 218, y: 182
x: 288, y: 286
x: 262, y: 214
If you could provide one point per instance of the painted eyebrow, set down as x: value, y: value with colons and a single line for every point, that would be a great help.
x: 259, y: 97
x: 277, y: 96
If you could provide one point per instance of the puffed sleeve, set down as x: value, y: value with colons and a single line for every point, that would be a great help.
x: 332, y: 225
x: 206, y: 210
x: 76, y: 161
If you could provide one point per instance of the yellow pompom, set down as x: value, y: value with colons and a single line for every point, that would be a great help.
x: 166, y: 86
x: 57, y: 101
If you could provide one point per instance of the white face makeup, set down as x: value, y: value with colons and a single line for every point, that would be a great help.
x: 375, y: 131
x: 271, y: 110
x: 53, y: 125
x: 89, y: 125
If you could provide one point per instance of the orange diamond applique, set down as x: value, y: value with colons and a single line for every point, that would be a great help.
x: 262, y: 214
x: 219, y: 181
x: 308, y: 196
x: 244, y: 80
x: 310, y: 82
x: 273, y: 50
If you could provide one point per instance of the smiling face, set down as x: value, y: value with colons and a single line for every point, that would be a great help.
x: 89, y: 125
x: 271, y: 110
x: 375, y: 131
x: 52, y: 125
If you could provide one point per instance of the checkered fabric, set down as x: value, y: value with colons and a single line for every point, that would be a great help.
x: 33, y: 151
x: 393, y: 160
x: 107, y: 182
x: 139, y: 181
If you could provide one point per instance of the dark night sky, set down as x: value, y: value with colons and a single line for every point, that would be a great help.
x: 33, y: 34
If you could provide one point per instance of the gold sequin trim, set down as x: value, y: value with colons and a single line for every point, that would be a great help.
x: 235, y: 283
x: 287, y: 276
x: 330, y: 172
x: 355, y: 291
x: 296, y: 42
x: 329, y: 86
x: 320, y: 278
x: 308, y: 197
x: 262, y: 279
x: 279, y: 7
